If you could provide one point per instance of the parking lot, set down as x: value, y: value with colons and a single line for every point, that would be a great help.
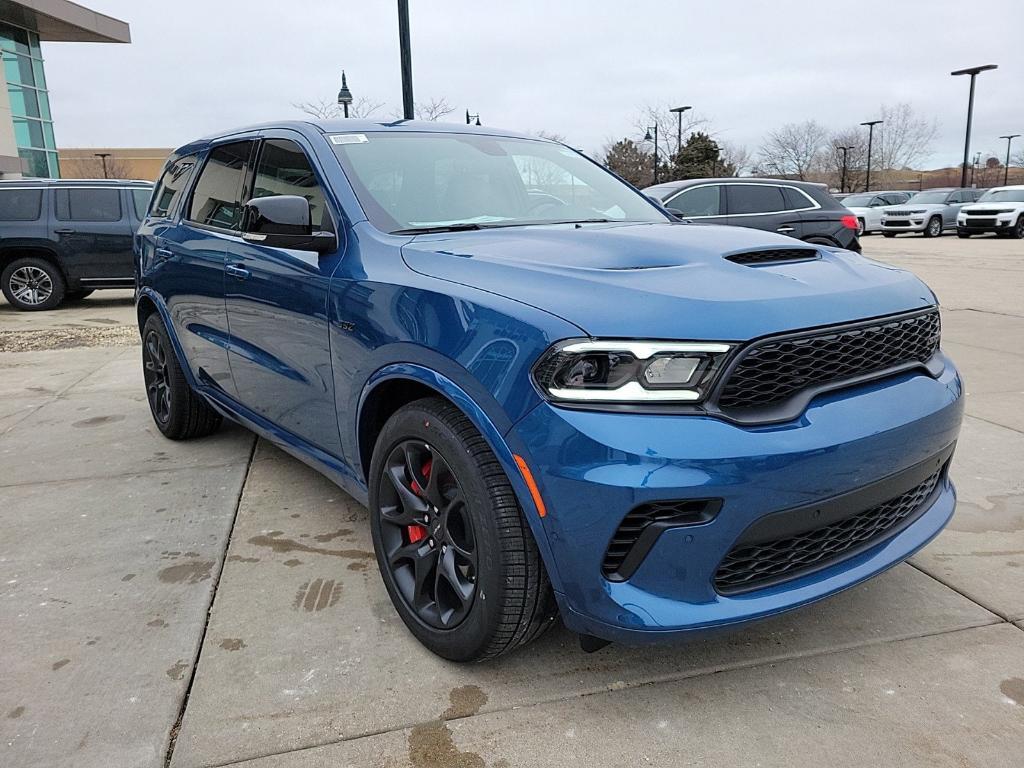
x: 217, y: 602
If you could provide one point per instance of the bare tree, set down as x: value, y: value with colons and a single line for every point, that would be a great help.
x: 903, y: 140
x: 323, y: 109
x: 550, y: 136
x: 92, y: 168
x: 431, y: 110
x: 668, y: 127
x: 856, y: 159
x: 736, y: 156
x: 796, y: 149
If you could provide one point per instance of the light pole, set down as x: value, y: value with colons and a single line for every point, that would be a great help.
x: 871, y: 133
x: 344, y: 95
x: 679, y: 131
x: 103, y: 159
x: 842, y: 178
x: 408, y: 108
x: 647, y: 137
x: 973, y: 72
x: 1006, y: 168
x: 470, y: 118
x: 974, y: 166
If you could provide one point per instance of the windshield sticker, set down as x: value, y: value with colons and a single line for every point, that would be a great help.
x: 349, y: 138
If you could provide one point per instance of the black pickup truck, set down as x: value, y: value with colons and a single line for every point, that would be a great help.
x: 62, y: 239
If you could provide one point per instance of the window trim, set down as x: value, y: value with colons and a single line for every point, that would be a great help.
x: 257, y: 156
x: 186, y: 210
x: 814, y: 204
x: 173, y: 212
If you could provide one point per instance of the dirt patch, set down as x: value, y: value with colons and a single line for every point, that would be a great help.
x: 323, y: 538
x: 58, y: 664
x: 15, y: 713
x: 431, y: 746
x: 97, y: 421
x: 1013, y: 689
x: 274, y: 541
x: 466, y: 701
x: 232, y: 644
x: 177, y: 672
x: 316, y: 595
x: 66, y: 338
x: 186, y: 573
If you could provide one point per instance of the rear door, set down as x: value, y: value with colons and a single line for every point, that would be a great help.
x: 954, y: 203
x: 762, y: 206
x: 94, y: 233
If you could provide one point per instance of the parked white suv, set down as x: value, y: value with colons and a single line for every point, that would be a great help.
x: 929, y: 212
x: 867, y: 207
x: 1000, y: 210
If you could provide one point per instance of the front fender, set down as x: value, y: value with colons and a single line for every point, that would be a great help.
x: 495, y: 437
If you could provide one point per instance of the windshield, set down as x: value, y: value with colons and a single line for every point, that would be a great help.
x: 929, y: 197
x: 1003, y: 196
x: 858, y: 201
x: 408, y: 182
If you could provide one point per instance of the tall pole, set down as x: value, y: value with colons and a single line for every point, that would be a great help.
x: 973, y: 72
x: 655, y: 153
x: 871, y: 132
x: 679, y: 129
x: 974, y: 166
x: 1006, y: 167
x: 103, y: 159
x: 408, y: 108
x: 842, y: 178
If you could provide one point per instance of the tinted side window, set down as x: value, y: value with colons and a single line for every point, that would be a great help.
x: 215, y: 201
x: 755, y: 198
x: 795, y: 199
x: 140, y: 201
x: 169, y: 188
x: 956, y: 197
x: 284, y: 169
x: 701, y: 201
x: 20, y: 204
x: 89, y: 204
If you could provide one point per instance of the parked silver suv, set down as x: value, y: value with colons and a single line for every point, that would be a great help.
x: 929, y: 212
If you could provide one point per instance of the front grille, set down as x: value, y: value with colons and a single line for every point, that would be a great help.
x: 774, y: 255
x: 750, y: 567
x: 665, y: 514
x: 771, y: 371
x: 980, y: 212
x: 973, y: 221
x: 897, y: 213
x: 891, y: 223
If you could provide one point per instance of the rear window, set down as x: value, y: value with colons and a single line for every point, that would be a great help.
x: 755, y: 198
x: 89, y: 204
x: 20, y: 204
x: 795, y: 199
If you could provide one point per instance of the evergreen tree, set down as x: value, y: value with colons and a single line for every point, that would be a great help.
x: 699, y: 157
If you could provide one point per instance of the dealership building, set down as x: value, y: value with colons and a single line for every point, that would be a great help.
x: 27, y: 144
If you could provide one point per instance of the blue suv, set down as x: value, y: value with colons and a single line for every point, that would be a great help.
x: 553, y: 397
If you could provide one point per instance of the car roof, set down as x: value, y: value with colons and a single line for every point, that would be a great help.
x: 1008, y: 186
x: 738, y: 180
x: 75, y: 183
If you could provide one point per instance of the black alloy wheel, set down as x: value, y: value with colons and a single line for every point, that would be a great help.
x: 155, y: 373
x: 427, y: 534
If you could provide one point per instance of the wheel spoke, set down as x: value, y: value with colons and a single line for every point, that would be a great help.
x: 439, y: 472
x: 423, y: 569
x: 413, y: 507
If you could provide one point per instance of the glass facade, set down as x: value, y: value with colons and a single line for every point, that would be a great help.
x: 30, y: 102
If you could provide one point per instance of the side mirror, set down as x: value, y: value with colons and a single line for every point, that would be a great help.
x: 284, y: 221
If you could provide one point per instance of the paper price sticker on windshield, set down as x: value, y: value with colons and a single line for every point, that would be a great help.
x: 349, y: 138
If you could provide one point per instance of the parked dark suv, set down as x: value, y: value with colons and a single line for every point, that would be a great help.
x: 795, y: 208
x: 61, y: 240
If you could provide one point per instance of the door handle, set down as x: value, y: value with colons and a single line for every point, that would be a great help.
x: 64, y: 231
x: 784, y: 229
x: 236, y: 271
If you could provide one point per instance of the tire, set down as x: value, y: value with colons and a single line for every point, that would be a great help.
x: 889, y: 234
x: 179, y: 413
x: 962, y: 235
x: 860, y: 227
x: 934, y: 227
x: 77, y: 295
x: 32, y: 284
x: 1017, y: 232
x: 439, y: 496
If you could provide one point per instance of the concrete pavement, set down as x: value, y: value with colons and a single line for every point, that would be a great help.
x: 302, y: 662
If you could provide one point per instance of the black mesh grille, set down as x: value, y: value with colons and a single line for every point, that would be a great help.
x: 683, y: 512
x: 749, y: 567
x: 772, y: 371
x: 773, y: 255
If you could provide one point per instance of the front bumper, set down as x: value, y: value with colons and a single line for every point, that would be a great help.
x: 982, y: 224
x: 595, y: 467
x: 908, y: 224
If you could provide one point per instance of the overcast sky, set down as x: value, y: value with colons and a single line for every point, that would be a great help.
x: 580, y: 69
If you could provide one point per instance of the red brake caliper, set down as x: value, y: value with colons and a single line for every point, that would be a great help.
x: 418, y: 532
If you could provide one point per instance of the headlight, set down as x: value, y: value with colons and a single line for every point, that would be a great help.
x: 586, y: 371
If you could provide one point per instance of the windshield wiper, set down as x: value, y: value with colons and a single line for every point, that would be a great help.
x: 465, y: 227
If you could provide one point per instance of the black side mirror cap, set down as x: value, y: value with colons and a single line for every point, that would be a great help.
x: 284, y: 221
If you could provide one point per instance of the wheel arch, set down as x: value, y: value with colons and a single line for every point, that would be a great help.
x: 396, y: 385
x: 11, y: 253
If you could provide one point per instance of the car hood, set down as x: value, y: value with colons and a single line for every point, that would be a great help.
x: 926, y: 207
x: 1003, y: 207
x: 668, y: 281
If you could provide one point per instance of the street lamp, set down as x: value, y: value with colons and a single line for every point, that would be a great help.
x: 103, y: 159
x: 871, y: 132
x: 679, y: 132
x: 1006, y: 168
x: 842, y: 178
x: 470, y: 118
x: 344, y: 95
x: 405, y: 46
x: 973, y: 72
x: 974, y: 166
x: 647, y: 137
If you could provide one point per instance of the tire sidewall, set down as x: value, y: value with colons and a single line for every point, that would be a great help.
x: 56, y: 297
x: 928, y: 227
x: 179, y: 387
x: 472, y: 636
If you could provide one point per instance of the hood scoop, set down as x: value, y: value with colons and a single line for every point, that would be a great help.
x: 773, y: 256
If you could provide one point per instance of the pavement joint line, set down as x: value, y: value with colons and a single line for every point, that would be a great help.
x: 994, y: 423
x: 172, y: 734
x: 988, y: 312
x: 659, y: 680
x: 962, y: 594
x: 120, y: 475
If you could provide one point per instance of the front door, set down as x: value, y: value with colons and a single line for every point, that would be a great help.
x: 277, y: 308
x: 94, y: 232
